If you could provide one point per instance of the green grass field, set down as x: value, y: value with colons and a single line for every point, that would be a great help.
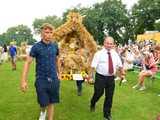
x: 128, y: 104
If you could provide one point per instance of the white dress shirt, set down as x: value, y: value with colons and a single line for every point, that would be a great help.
x: 100, y: 61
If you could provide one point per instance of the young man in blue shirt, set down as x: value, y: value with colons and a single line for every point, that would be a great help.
x: 47, y: 83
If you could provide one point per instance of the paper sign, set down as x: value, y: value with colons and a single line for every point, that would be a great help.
x: 77, y: 77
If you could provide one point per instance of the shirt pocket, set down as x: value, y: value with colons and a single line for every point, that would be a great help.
x: 102, y: 60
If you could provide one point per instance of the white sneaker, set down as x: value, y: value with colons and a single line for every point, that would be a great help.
x: 42, y: 115
x: 135, y: 86
x: 142, y: 88
x: 117, y: 78
x: 124, y: 80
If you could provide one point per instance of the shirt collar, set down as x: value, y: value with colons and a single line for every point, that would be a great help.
x: 45, y: 43
x: 106, y: 51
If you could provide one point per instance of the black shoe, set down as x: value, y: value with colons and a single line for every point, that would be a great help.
x: 92, y: 108
x: 108, y: 118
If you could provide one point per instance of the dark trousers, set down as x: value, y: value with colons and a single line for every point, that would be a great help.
x: 107, y: 84
x: 79, y: 85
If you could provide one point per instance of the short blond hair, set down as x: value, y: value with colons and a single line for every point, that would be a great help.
x: 47, y: 26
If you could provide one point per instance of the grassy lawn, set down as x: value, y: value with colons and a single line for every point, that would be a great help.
x: 128, y: 104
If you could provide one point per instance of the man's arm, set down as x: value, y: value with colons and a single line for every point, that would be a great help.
x: 16, y: 50
x: 120, y: 69
x: 122, y: 72
x: 24, y: 84
x: 122, y: 75
x: 57, y: 66
x: 91, y: 73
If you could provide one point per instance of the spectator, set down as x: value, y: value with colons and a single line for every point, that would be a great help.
x: 149, y: 69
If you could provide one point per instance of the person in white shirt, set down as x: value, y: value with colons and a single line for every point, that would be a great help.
x: 104, y: 78
x: 127, y: 62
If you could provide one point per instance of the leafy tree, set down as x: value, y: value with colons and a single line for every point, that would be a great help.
x: 2, y: 39
x: 94, y: 24
x: 109, y: 16
x: 157, y: 25
x: 78, y: 8
x: 54, y: 20
x: 144, y: 14
x: 90, y: 21
x: 20, y: 33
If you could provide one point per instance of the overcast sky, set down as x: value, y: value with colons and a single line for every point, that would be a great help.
x: 16, y: 12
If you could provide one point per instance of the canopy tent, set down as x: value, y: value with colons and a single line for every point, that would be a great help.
x: 149, y: 36
x: 140, y: 37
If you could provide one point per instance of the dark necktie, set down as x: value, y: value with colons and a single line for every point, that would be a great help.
x: 110, y: 63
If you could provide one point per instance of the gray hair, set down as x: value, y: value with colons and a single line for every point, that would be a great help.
x: 109, y: 37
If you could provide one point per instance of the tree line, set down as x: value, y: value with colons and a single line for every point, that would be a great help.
x: 110, y: 17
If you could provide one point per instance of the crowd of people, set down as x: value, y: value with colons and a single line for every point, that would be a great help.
x: 145, y: 57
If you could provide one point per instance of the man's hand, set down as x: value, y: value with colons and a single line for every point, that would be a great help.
x: 59, y: 76
x: 121, y: 79
x: 129, y: 62
x: 24, y: 86
x: 122, y: 75
x: 23, y: 82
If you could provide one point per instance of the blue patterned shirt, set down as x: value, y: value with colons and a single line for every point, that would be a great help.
x: 45, y: 55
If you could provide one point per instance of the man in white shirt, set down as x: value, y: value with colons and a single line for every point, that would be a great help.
x: 105, y: 73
